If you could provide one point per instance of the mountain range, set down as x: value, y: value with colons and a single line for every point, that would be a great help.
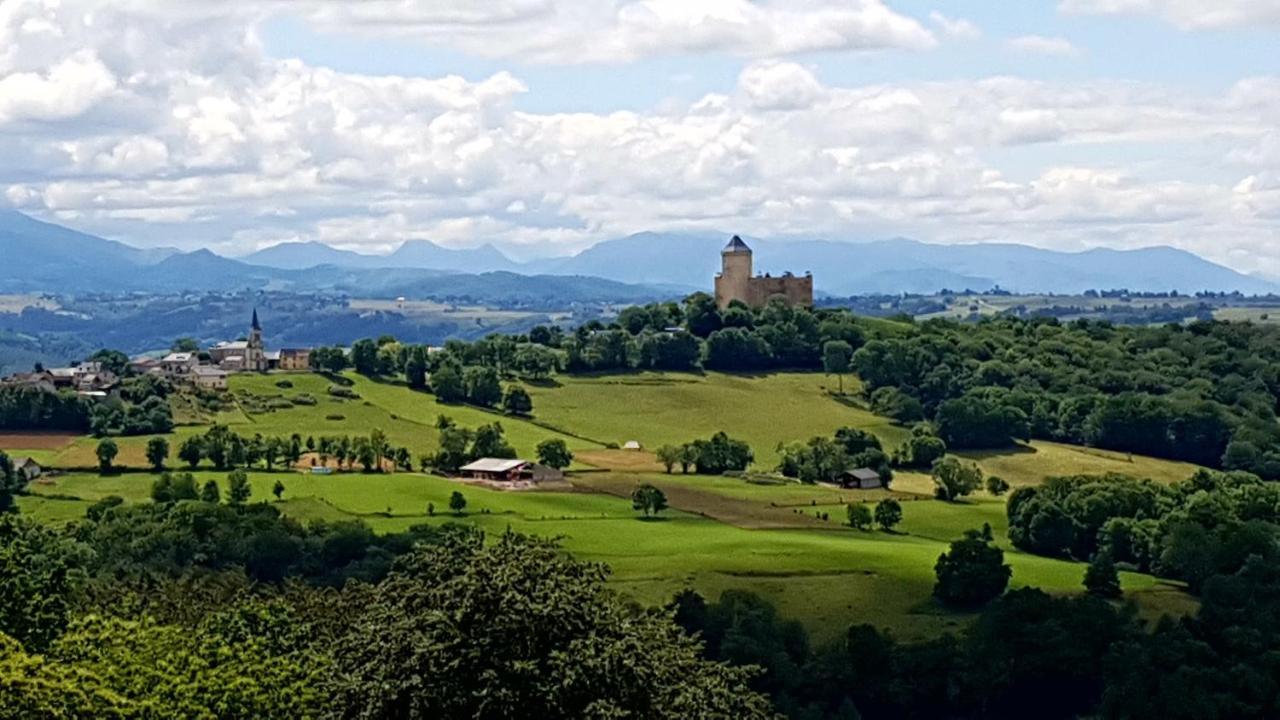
x: 43, y: 257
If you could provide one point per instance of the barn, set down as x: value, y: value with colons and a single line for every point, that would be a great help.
x: 861, y: 479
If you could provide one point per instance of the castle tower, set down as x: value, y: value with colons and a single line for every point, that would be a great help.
x: 734, y: 280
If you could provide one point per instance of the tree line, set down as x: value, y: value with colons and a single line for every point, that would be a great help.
x: 1205, y: 393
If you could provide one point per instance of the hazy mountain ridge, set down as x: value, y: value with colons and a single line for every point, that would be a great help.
x: 43, y: 257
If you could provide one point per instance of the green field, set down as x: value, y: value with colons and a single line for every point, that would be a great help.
x: 721, y: 532
x: 817, y: 571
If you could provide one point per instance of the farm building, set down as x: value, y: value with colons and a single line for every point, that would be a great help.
x: 28, y: 468
x: 503, y: 469
x: 209, y: 378
x: 861, y: 479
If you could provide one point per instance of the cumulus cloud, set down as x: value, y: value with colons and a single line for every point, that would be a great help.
x: 1042, y: 45
x: 1186, y: 14
x: 69, y: 88
x: 611, y: 31
x: 200, y: 139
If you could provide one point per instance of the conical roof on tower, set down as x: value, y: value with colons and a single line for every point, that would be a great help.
x: 254, y: 325
x: 736, y: 245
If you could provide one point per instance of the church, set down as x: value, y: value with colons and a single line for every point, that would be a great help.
x: 247, y: 355
x: 735, y: 281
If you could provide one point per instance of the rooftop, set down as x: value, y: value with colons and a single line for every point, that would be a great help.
x: 736, y: 245
x: 494, y: 465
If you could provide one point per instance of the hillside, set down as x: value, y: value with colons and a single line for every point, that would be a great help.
x: 711, y: 539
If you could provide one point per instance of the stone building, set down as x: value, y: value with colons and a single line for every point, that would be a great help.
x: 736, y: 282
x: 247, y: 355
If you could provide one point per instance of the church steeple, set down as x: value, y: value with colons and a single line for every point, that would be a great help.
x: 254, y: 325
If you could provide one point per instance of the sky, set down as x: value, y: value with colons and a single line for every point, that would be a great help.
x: 544, y: 126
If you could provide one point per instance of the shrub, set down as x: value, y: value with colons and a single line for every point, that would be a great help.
x: 284, y: 384
x: 343, y: 392
x: 303, y: 399
x: 335, y: 416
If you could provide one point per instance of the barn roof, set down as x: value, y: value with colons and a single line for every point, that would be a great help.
x: 494, y: 465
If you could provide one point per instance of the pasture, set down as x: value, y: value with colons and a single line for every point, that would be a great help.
x: 784, y: 540
x: 819, y: 572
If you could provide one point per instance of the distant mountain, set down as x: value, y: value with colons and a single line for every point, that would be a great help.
x: 42, y: 257
x: 425, y: 254
x: 901, y: 265
x: 302, y: 255
x: 420, y: 254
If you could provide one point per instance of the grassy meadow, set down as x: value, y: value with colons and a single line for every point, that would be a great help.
x: 785, y: 541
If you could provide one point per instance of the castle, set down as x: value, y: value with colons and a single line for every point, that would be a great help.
x: 735, y: 281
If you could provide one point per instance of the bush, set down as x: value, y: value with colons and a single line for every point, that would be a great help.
x: 279, y: 404
x: 343, y: 392
x: 335, y: 416
x: 284, y: 384
x: 303, y: 399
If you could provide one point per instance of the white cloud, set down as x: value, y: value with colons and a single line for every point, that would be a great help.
x: 958, y: 28
x: 1186, y: 14
x: 200, y: 139
x: 1042, y: 45
x: 775, y: 85
x: 611, y: 31
x: 67, y: 90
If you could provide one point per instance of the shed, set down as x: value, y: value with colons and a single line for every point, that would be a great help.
x: 631, y: 445
x: 28, y: 468
x: 861, y: 479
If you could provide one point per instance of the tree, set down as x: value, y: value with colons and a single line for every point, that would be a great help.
x: 835, y: 359
x: 542, y: 636
x: 972, y: 572
x: 976, y: 423
x: 491, y: 442
x: 238, y: 489
x: 191, y: 451
x: 36, y: 577
x: 516, y: 401
x: 649, y: 499
x: 954, y: 479
x: 457, y: 503
x: 669, y: 456
x: 431, y: 509
x: 364, y: 357
x: 554, y: 452
x: 278, y: 490
x: 1101, y: 578
x: 447, y: 384
x: 185, y: 345
x: 11, y: 483
x: 859, y: 516
x: 415, y: 368
x: 888, y: 514
x: 157, y: 453
x: 997, y: 486
x: 483, y: 386
x: 210, y: 493
x: 106, y: 452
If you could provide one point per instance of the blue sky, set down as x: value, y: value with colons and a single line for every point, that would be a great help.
x: 544, y: 126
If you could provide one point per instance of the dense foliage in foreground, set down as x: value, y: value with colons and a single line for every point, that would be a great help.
x: 456, y: 629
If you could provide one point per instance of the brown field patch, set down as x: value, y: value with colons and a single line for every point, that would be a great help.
x: 36, y: 440
x: 746, y: 514
x: 630, y: 460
